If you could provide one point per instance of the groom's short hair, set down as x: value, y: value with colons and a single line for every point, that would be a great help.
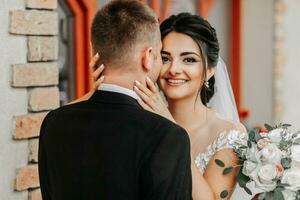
x: 119, y: 26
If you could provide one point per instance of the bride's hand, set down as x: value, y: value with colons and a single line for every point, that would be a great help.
x: 96, y: 72
x: 151, y: 99
x: 97, y: 78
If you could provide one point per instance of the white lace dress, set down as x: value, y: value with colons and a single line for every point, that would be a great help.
x: 226, y: 139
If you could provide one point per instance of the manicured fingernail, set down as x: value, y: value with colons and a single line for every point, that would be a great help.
x: 148, y: 79
x: 97, y: 55
x: 101, y: 66
x: 136, y: 88
x: 138, y: 83
x: 102, y: 78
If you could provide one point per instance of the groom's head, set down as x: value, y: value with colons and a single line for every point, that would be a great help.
x: 126, y: 35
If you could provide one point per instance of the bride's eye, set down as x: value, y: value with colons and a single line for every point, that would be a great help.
x: 189, y: 60
x: 165, y: 59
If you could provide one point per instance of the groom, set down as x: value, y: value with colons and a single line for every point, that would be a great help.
x: 108, y: 147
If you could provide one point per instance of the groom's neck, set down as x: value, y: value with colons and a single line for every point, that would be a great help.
x: 126, y: 81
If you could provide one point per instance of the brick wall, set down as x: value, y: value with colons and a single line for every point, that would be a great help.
x: 39, y: 76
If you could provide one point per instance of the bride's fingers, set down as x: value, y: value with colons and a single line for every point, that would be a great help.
x: 98, y: 72
x: 98, y: 82
x: 93, y: 62
x: 144, y: 97
x: 144, y: 89
x: 151, y: 85
x: 144, y: 105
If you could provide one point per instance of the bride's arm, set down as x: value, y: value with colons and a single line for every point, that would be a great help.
x: 201, y: 188
x: 97, y: 80
x: 213, y: 174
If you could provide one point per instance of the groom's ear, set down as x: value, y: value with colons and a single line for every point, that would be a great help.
x: 147, y: 59
x: 210, y: 72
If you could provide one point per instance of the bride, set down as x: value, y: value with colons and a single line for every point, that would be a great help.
x: 197, y: 90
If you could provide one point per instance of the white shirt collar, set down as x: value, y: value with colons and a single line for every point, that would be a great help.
x: 116, y: 88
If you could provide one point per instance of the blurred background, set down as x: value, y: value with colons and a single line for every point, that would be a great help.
x: 44, y: 64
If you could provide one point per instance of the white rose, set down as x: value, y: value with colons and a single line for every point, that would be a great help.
x: 289, y: 195
x: 275, y: 135
x: 295, y: 149
x: 253, y: 154
x: 292, y: 177
x: 271, y: 154
x: 267, y: 173
x: 262, y: 143
x: 249, y: 167
x: 263, y: 177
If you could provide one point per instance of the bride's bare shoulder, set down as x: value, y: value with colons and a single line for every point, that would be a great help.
x: 220, y: 125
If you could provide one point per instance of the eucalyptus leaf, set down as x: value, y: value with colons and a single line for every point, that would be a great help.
x: 285, y: 144
x: 227, y: 170
x: 238, y: 151
x: 242, y: 179
x: 224, y: 194
x: 252, y: 135
x: 262, y: 196
x: 247, y: 190
x: 282, y: 185
x: 286, y: 125
x: 286, y: 163
x: 257, y: 137
x: 268, y: 127
x: 249, y: 144
x: 278, y: 195
x: 219, y: 163
x: 297, y: 141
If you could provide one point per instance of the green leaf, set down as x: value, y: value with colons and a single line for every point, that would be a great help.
x: 224, y: 194
x: 297, y: 141
x: 268, y: 127
x: 257, y: 137
x: 219, y: 163
x: 286, y: 163
x: 278, y: 195
x: 252, y: 135
x: 298, y: 195
x: 242, y: 179
x: 249, y: 144
x: 285, y: 144
x: 262, y: 196
x: 286, y: 125
x: 282, y: 185
x: 247, y: 190
x: 227, y: 170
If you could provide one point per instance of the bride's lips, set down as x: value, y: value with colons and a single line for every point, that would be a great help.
x: 175, y: 82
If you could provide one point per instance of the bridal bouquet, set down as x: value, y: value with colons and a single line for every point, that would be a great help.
x: 271, y: 160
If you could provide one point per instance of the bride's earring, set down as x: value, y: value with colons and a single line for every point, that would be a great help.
x: 206, y: 83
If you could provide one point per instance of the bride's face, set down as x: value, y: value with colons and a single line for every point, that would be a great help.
x: 182, y: 71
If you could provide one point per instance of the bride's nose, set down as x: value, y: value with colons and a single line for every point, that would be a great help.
x: 175, y: 68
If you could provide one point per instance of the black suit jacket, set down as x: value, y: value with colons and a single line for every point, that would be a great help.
x: 110, y: 148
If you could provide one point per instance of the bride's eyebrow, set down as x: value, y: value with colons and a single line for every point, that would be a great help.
x: 165, y: 52
x: 188, y: 53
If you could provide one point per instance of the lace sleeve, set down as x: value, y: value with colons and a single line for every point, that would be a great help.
x: 231, y: 139
x: 226, y: 140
